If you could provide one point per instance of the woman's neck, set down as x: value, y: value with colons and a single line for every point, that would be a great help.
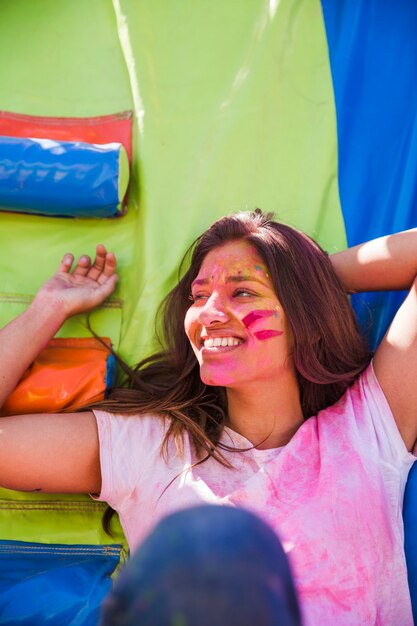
x: 267, y: 415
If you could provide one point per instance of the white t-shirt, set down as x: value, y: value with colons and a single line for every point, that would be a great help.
x: 333, y: 495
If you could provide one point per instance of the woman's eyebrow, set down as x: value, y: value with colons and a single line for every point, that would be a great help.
x: 200, y: 281
x: 239, y: 278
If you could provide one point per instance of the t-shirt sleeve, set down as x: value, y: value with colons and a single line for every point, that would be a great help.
x: 126, y: 443
x: 374, y: 418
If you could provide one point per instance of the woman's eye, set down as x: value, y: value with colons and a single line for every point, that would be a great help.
x: 238, y: 293
x: 196, y: 297
x: 243, y: 292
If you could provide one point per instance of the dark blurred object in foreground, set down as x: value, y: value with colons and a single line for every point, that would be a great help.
x: 206, y: 566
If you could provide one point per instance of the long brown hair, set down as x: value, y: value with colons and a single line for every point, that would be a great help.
x: 329, y: 351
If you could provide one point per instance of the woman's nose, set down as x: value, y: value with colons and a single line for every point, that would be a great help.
x: 214, y: 311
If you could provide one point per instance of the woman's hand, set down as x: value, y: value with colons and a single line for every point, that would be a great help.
x: 67, y: 293
x: 83, y: 288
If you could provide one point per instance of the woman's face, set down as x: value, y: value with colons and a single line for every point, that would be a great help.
x: 236, y: 324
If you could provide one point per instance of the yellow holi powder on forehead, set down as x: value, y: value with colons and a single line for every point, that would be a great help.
x: 235, y: 259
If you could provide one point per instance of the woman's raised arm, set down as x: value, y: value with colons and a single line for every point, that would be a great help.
x: 395, y: 365
x: 383, y: 264
x: 65, y: 294
x: 391, y: 263
x: 52, y: 453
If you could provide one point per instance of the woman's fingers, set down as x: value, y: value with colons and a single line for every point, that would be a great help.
x: 107, y: 287
x: 99, y: 262
x: 83, y: 266
x: 103, y: 268
x: 104, y: 265
x: 66, y: 263
x: 109, y: 269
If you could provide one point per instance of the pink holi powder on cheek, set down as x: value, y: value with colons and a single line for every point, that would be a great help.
x: 254, y: 316
x: 267, y: 334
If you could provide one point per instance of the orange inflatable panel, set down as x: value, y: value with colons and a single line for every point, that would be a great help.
x: 68, y: 374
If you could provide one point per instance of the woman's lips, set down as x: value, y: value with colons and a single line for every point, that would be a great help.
x: 219, y: 349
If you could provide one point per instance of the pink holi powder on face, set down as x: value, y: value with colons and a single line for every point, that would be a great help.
x: 267, y: 334
x: 254, y: 316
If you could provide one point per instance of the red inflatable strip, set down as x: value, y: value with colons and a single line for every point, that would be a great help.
x: 101, y: 129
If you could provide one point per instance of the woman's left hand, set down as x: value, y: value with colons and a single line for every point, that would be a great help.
x: 83, y: 288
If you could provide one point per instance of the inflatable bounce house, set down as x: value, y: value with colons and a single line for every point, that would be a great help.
x: 137, y: 124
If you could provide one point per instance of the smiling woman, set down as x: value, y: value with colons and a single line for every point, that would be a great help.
x: 262, y: 396
x: 241, y: 341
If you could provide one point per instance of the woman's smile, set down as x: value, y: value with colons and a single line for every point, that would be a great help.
x: 221, y: 342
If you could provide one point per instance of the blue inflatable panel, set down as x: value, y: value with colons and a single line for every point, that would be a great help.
x: 61, y: 178
x: 49, y: 584
x: 373, y: 50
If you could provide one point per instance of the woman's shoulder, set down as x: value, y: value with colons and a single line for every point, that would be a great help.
x: 119, y: 414
x: 131, y: 425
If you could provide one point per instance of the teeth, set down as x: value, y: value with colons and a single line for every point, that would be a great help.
x: 222, y: 341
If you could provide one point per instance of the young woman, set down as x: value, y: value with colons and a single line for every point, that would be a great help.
x: 263, y: 397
